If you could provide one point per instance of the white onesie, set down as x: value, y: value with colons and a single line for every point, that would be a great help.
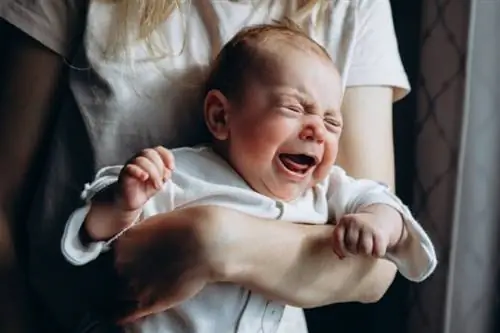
x: 201, y: 177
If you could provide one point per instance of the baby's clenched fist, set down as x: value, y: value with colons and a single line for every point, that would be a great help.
x: 143, y: 176
x: 368, y: 233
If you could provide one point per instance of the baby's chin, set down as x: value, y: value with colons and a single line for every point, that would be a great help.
x: 286, y: 192
x: 290, y: 191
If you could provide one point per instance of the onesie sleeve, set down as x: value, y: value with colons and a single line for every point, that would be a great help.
x: 347, y: 195
x: 56, y: 24
x: 71, y: 246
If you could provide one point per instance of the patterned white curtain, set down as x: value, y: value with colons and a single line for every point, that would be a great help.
x: 457, y: 187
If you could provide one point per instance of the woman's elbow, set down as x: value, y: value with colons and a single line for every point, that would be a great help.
x: 310, y: 301
x: 381, y: 281
x: 374, y: 296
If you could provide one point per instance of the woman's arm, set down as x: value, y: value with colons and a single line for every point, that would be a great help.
x: 28, y: 81
x: 287, y: 262
x: 295, y: 264
x: 366, y: 146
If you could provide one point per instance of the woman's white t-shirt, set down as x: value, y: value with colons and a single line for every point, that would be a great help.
x: 130, y: 101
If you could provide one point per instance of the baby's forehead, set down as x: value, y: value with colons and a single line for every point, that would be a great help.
x: 276, y: 56
x: 298, y: 71
x: 279, y: 42
x: 258, y: 52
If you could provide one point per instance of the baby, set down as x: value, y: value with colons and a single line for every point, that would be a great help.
x: 272, y: 104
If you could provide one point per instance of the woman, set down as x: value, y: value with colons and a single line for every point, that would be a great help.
x: 139, y: 61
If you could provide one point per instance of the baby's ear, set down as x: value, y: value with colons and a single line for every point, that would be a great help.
x: 216, y: 113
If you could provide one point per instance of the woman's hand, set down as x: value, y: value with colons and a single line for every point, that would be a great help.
x: 166, y: 260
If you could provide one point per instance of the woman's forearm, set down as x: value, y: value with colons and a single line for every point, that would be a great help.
x: 295, y: 264
x: 287, y: 262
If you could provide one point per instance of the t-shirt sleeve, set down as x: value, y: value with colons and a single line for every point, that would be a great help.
x: 56, y: 24
x: 376, y: 60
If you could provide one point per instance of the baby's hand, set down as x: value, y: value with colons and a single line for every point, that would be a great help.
x: 364, y: 233
x: 140, y: 179
x: 143, y: 176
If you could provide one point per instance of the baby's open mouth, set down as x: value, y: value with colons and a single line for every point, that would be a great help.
x: 298, y: 163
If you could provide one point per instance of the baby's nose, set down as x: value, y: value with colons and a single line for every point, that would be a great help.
x: 313, y: 130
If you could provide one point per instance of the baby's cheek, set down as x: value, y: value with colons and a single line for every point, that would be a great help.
x: 321, y: 172
x: 329, y: 156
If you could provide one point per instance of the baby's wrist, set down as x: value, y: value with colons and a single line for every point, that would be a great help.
x: 399, y: 238
x: 104, y: 221
x: 124, y: 218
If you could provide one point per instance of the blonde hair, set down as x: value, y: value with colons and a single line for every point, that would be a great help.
x: 137, y: 20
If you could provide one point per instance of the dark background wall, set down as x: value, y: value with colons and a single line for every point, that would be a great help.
x: 391, y: 313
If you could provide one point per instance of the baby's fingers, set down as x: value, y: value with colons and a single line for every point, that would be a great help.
x: 365, y: 245
x: 352, y: 238
x: 339, y: 241
x: 135, y: 171
x: 156, y: 159
x: 379, y: 246
x: 151, y: 169
x: 166, y: 156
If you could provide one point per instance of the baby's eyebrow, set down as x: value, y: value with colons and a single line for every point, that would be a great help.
x: 334, y: 113
x: 294, y: 94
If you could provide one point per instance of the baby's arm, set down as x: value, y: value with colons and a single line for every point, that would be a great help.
x: 115, y: 202
x: 369, y: 216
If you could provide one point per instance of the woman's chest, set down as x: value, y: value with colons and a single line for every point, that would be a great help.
x: 137, y: 93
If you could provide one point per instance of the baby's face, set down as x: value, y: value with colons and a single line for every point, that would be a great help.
x: 283, y: 137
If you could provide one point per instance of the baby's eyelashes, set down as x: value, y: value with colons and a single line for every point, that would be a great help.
x: 333, y: 125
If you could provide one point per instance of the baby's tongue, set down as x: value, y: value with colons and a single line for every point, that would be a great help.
x: 294, y: 162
